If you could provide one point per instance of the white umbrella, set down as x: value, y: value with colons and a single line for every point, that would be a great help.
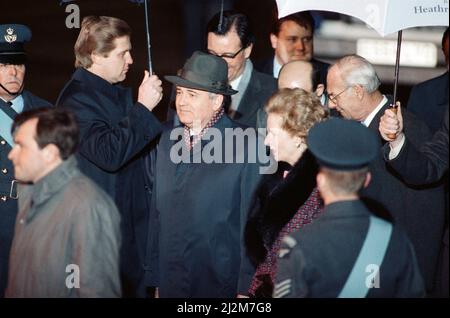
x: 384, y: 16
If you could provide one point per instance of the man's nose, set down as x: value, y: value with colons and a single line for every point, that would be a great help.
x: 331, y: 103
x: 299, y: 45
x: 12, y: 71
x: 129, y: 59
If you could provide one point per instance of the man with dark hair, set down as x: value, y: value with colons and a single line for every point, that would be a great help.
x: 292, y: 39
x: 230, y: 36
x: 346, y: 252
x: 114, y: 132
x: 13, y: 100
x: 67, y: 235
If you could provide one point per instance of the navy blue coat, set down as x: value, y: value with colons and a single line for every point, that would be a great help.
x: 200, y: 211
x: 8, y: 207
x: 429, y: 101
x: 326, y: 250
x: 114, y: 134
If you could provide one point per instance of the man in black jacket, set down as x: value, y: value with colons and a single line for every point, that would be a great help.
x: 114, y: 132
x: 13, y: 100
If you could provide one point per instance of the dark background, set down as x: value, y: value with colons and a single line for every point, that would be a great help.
x: 51, y: 55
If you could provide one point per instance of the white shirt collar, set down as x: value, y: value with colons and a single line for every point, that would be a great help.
x: 276, y: 67
x: 235, y: 84
x: 372, y: 115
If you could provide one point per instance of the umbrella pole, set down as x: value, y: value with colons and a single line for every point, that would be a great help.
x: 147, y: 29
x: 397, y: 71
x: 397, y: 64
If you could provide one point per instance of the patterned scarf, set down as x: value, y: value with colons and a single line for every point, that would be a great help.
x: 196, y: 138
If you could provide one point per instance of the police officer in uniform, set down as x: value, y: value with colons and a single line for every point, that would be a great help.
x: 13, y: 100
x: 347, y: 252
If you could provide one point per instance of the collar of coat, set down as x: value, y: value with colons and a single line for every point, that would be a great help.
x: 99, y: 84
x: 275, y: 202
x: 53, y: 182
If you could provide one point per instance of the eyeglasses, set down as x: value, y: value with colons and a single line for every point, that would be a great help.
x: 227, y: 55
x: 333, y: 99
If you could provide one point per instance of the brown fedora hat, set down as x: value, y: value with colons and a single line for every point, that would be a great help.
x: 204, y: 72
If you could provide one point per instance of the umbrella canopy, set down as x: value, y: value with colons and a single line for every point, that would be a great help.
x: 384, y: 16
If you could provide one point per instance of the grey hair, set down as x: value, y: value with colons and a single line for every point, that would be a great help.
x: 356, y: 70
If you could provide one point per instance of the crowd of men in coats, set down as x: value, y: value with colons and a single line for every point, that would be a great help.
x: 89, y: 188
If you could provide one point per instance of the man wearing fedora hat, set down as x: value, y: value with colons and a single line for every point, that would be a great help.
x: 13, y: 100
x: 198, y: 208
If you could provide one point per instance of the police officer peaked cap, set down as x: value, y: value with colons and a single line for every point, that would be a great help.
x: 344, y: 145
x: 12, y: 39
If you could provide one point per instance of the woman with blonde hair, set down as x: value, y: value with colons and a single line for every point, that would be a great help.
x: 287, y: 200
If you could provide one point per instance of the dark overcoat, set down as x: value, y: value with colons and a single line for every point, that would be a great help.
x: 429, y: 101
x: 114, y: 134
x: 200, y: 211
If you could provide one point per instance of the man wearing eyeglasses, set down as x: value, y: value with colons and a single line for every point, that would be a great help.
x: 230, y: 37
x: 13, y: 100
x: 353, y: 90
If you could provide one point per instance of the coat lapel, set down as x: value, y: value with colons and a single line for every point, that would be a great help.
x: 246, y: 107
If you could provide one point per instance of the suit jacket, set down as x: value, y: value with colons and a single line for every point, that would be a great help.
x: 317, y: 260
x: 8, y: 208
x: 420, y: 210
x: 199, y: 210
x: 429, y: 101
x: 266, y: 66
x: 114, y: 135
x: 259, y: 90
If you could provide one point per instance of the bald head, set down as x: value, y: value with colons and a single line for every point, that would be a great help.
x: 297, y: 74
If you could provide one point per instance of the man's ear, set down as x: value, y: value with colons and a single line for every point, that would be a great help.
x: 359, y: 91
x: 274, y: 41
x: 218, y: 101
x: 96, y: 59
x: 321, y: 180
x: 368, y: 179
x: 320, y: 90
x: 248, y: 50
x: 51, y: 153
